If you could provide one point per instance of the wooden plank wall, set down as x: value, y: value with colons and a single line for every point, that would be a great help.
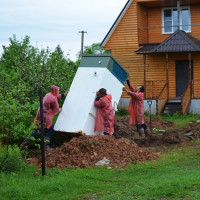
x: 125, y: 35
x: 155, y: 22
x: 195, y: 16
x: 125, y: 41
x: 143, y: 24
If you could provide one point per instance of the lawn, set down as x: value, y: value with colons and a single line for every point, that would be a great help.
x: 174, y: 176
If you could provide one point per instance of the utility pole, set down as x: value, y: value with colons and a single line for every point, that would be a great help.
x: 82, y: 41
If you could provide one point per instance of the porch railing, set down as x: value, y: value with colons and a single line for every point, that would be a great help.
x: 186, y: 98
x: 153, y: 88
x: 162, y: 98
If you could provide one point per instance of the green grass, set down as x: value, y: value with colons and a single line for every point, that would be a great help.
x: 181, y: 120
x: 174, y: 176
x: 122, y: 112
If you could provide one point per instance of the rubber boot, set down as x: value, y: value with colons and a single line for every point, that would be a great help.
x: 115, y: 135
x: 47, y: 144
x: 141, y: 132
x: 24, y: 143
x: 147, y: 131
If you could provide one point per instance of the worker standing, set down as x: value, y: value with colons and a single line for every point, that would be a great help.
x: 50, y: 109
x: 105, y: 118
x: 136, y: 109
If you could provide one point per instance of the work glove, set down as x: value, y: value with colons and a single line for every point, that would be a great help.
x: 97, y: 99
x: 128, y: 83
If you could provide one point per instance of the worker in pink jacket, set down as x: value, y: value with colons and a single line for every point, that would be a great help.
x: 136, y: 109
x: 50, y: 109
x: 105, y: 117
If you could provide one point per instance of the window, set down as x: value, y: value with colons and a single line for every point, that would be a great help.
x: 170, y: 19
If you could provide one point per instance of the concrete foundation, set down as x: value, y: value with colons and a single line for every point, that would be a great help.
x: 124, y: 102
x: 193, y: 108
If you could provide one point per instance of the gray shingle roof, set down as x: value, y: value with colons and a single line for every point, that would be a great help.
x: 147, y: 48
x: 179, y: 41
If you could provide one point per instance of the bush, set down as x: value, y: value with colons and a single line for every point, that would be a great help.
x: 23, y: 70
x: 122, y: 112
x: 11, y: 159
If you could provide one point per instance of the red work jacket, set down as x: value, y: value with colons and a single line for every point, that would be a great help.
x: 105, y: 115
x: 135, y: 108
x: 50, y: 108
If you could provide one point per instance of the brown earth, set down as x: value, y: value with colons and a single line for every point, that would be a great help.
x: 169, y: 134
x: 86, y: 151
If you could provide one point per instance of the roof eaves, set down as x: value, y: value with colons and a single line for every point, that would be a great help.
x: 164, y: 42
x: 147, y: 48
x: 188, y: 38
x: 115, y: 24
x: 191, y: 39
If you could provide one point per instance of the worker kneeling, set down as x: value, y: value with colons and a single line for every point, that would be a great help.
x: 105, y: 117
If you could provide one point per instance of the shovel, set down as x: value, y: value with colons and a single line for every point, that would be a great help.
x: 149, y: 103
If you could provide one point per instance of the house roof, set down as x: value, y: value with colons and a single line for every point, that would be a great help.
x: 113, y: 27
x: 179, y: 41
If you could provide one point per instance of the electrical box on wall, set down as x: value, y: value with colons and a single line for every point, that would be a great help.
x: 78, y: 113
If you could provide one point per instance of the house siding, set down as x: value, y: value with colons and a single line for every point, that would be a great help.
x: 195, y: 16
x: 125, y: 35
x: 143, y: 22
x: 128, y: 35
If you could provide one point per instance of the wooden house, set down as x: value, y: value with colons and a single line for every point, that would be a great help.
x: 158, y: 43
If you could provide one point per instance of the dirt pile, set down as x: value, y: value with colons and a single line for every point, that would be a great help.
x: 86, y: 151
x: 170, y: 135
x: 123, y: 129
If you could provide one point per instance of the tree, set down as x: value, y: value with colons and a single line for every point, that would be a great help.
x: 23, y: 69
x: 95, y: 48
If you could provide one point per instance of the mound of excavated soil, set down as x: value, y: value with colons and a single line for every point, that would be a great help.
x: 123, y: 129
x: 86, y: 151
x: 172, y: 135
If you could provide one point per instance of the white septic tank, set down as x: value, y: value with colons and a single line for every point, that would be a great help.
x: 78, y: 113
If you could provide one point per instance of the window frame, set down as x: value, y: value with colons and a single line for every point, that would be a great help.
x: 172, y: 8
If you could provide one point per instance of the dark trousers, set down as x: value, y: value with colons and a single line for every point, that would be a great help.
x: 47, y: 132
x: 138, y: 126
x: 114, y: 134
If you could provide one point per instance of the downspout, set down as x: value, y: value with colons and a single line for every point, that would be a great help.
x: 178, y: 13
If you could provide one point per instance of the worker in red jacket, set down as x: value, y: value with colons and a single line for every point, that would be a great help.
x: 105, y: 117
x: 50, y: 109
x: 136, y: 109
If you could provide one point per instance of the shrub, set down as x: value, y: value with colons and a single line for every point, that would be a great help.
x: 11, y: 159
x: 122, y: 112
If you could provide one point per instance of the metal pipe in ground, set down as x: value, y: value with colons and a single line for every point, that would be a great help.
x: 150, y: 103
x: 42, y: 132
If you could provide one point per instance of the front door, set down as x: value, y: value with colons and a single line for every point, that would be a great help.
x: 182, y: 76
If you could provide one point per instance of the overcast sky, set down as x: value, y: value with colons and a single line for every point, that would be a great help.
x: 58, y: 22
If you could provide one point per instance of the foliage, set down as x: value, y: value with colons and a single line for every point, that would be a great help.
x: 173, y: 176
x: 181, y: 120
x: 122, y: 112
x: 95, y: 48
x: 23, y: 70
x: 11, y: 159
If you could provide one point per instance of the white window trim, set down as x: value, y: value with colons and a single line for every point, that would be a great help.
x: 189, y: 20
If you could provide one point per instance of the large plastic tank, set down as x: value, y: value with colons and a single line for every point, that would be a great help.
x: 95, y: 71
